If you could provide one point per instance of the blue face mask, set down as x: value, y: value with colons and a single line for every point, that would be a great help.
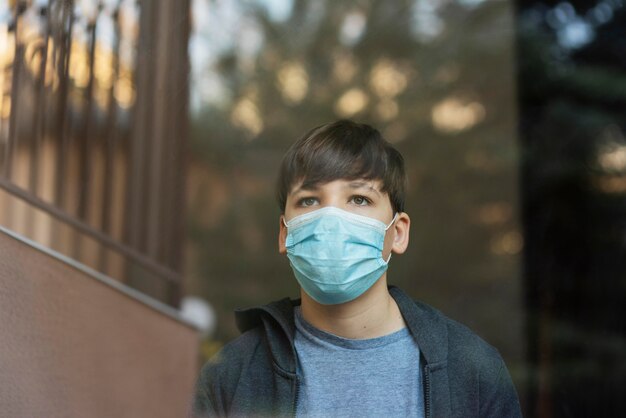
x: 336, y: 255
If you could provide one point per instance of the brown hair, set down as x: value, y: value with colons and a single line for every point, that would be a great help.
x: 343, y: 150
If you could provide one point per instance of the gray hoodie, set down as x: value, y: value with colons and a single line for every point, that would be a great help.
x: 255, y: 375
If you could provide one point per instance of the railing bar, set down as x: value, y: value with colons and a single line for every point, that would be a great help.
x: 139, y: 163
x: 145, y: 145
x: 155, y: 181
x: 2, y: 84
x: 17, y: 68
x: 111, y: 138
x: 40, y: 107
x: 139, y: 258
x: 179, y: 126
x: 175, y: 138
x: 171, y: 142
x: 63, y: 129
x: 35, y: 145
x: 133, y: 161
x: 65, y: 42
x: 111, y: 132
x: 86, y: 142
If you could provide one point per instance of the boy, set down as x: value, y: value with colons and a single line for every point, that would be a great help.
x: 351, y: 346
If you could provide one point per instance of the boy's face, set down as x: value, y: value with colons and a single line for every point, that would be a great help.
x: 362, y: 197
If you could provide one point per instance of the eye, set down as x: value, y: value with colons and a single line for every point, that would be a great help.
x: 307, y: 201
x: 360, y: 200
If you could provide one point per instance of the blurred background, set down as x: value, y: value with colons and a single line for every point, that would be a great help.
x: 139, y: 144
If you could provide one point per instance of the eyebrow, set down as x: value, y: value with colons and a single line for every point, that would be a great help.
x: 312, y: 187
x: 352, y: 185
x: 363, y: 185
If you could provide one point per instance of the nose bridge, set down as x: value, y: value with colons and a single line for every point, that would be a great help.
x: 333, y: 194
x: 333, y: 201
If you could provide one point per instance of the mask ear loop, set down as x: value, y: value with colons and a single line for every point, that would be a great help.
x: 392, y: 221
x: 389, y: 226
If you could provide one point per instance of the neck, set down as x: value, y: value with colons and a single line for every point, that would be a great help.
x: 373, y: 314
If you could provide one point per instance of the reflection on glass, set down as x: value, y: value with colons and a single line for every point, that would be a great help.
x: 436, y: 77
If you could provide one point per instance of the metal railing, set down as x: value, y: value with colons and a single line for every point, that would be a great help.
x: 93, y: 99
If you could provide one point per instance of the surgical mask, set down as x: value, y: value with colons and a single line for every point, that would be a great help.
x: 336, y: 255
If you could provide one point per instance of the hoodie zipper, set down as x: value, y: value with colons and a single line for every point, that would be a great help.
x: 426, y: 392
x: 296, y: 398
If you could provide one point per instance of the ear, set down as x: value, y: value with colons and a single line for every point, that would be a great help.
x: 282, y: 235
x: 401, y: 228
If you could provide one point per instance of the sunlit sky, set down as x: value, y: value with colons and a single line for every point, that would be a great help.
x: 222, y: 26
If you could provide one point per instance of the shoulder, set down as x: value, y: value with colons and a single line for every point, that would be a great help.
x: 441, y: 339
x: 470, y: 354
x: 476, y: 368
x: 464, y: 342
x: 234, y: 357
x: 221, y: 373
x: 461, y: 341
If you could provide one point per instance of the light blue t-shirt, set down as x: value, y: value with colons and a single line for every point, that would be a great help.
x: 377, y: 377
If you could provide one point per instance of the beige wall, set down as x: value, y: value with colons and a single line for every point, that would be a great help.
x: 74, y: 345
